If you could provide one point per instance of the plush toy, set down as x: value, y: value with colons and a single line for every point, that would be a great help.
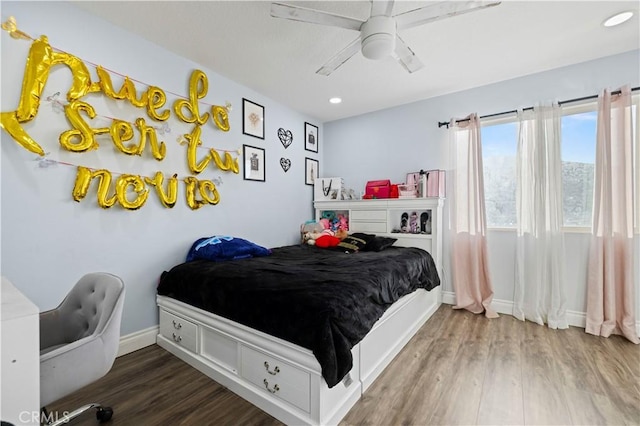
x: 308, y: 228
x: 326, y: 224
x: 326, y: 238
x: 343, y: 222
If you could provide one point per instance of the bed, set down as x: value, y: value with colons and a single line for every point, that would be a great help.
x: 303, y: 332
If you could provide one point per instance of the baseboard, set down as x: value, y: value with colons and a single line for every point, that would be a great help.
x: 501, y: 306
x: 138, y: 340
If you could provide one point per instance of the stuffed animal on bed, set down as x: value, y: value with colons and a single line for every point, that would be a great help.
x: 326, y: 238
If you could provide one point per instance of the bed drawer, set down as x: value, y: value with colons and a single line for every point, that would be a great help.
x: 275, y: 376
x: 178, y: 330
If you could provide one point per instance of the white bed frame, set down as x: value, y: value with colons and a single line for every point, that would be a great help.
x: 285, y: 379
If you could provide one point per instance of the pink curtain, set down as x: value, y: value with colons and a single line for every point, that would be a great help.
x: 610, y: 290
x: 471, y: 280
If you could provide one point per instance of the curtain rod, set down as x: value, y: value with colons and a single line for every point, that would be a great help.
x: 584, y: 98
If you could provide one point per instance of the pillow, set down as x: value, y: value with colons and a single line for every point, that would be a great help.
x: 351, y: 244
x: 219, y: 248
x: 375, y: 242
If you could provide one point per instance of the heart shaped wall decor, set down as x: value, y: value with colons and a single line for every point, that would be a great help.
x: 285, y: 136
x: 285, y: 163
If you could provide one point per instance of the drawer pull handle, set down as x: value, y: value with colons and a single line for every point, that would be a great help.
x: 177, y: 338
x: 275, y: 389
x: 177, y: 325
x: 275, y: 370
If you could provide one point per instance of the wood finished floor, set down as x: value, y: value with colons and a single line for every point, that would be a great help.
x: 459, y: 369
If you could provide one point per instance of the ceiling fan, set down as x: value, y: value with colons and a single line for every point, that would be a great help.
x: 379, y: 37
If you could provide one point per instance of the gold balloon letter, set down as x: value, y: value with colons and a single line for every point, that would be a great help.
x: 220, y: 117
x: 206, y: 187
x: 158, y: 151
x: 198, y: 87
x: 36, y: 73
x: 139, y: 188
x: 82, y: 132
x: 156, y: 98
x: 168, y: 199
x: 121, y: 132
x: 192, y: 184
x: 127, y: 91
x: 83, y: 179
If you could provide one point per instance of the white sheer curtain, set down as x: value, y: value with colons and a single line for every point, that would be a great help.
x: 471, y: 281
x: 610, y: 288
x: 539, y: 293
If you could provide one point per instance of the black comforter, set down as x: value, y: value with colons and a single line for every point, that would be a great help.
x: 323, y: 300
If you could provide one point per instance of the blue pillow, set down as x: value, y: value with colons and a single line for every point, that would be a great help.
x: 219, y: 248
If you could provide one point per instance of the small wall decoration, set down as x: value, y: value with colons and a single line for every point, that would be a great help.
x: 285, y: 163
x: 285, y: 136
x: 310, y: 137
x: 252, y: 119
x: 254, y: 163
x: 310, y: 171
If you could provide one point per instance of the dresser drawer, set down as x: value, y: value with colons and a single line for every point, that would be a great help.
x: 178, y: 330
x: 369, y: 215
x: 373, y: 227
x: 276, y: 377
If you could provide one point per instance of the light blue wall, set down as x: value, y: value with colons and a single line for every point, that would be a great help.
x: 49, y: 241
x: 392, y: 142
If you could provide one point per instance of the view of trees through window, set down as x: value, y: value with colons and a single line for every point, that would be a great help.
x: 499, y: 147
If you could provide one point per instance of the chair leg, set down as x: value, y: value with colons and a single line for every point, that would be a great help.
x: 103, y: 414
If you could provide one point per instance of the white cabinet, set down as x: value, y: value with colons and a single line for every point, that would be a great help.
x: 20, y: 331
x: 385, y: 217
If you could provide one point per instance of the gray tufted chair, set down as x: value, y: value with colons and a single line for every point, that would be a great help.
x: 79, y: 339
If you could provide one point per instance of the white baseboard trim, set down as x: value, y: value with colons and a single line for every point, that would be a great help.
x: 501, y: 306
x: 138, y: 340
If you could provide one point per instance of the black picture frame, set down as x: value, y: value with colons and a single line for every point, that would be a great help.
x: 252, y: 119
x: 254, y: 161
x: 311, y: 167
x: 311, y: 137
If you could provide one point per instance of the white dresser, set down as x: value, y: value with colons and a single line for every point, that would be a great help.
x: 384, y: 216
x: 20, y: 337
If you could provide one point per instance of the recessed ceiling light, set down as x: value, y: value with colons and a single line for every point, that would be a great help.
x: 618, y: 19
x: 335, y: 100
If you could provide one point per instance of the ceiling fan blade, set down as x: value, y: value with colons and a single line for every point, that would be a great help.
x: 406, y: 57
x: 295, y: 13
x: 439, y: 11
x: 340, y: 58
x: 382, y: 7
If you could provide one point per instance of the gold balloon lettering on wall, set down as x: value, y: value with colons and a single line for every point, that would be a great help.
x: 156, y: 99
x: 127, y: 90
x: 198, y: 88
x: 168, y: 198
x: 139, y: 188
x: 84, y: 177
x: 82, y: 137
x: 193, y: 142
x: 130, y: 191
x: 220, y: 117
x: 40, y: 59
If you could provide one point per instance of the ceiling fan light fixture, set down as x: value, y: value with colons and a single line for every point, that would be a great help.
x: 378, y: 37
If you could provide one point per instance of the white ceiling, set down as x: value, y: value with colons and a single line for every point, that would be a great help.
x: 278, y: 58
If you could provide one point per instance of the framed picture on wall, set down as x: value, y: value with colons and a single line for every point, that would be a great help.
x: 254, y: 163
x: 310, y: 137
x: 310, y: 171
x: 252, y: 119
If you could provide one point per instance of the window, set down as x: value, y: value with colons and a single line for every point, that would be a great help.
x: 578, y: 165
x: 499, y: 147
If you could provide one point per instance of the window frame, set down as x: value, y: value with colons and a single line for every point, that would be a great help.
x: 573, y: 108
